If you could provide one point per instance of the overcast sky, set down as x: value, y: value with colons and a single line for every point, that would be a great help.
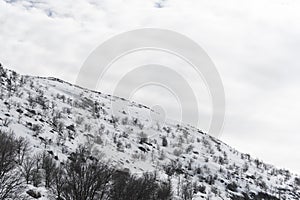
x: 255, y: 46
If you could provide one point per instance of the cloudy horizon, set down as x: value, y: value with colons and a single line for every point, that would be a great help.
x: 254, y: 46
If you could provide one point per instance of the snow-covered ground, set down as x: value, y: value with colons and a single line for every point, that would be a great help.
x: 57, y: 116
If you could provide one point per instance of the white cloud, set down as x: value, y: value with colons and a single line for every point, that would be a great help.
x: 254, y: 44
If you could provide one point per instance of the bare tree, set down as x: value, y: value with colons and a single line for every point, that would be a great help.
x: 86, y: 180
x: 127, y: 186
x: 36, y: 173
x: 187, y: 191
x: 10, y: 185
x: 165, y: 191
x: 10, y: 182
x: 59, y: 182
x: 8, y: 149
x: 48, y: 164
x: 27, y: 168
x: 22, y: 149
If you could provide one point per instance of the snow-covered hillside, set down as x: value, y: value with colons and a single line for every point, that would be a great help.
x: 56, y: 117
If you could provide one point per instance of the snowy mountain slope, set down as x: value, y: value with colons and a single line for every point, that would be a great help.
x: 57, y: 117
